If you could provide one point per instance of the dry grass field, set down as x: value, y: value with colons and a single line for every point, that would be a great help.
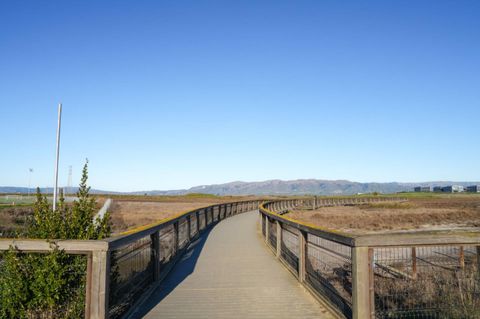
x: 419, y: 212
x: 12, y: 219
x: 128, y: 212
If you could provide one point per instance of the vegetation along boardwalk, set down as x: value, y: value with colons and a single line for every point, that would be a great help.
x: 229, y: 273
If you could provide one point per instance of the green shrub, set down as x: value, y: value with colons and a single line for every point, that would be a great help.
x: 51, y: 285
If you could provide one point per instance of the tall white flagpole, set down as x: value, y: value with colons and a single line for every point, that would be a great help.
x: 55, y: 190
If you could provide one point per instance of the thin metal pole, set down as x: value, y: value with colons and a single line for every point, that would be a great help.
x: 57, y: 157
x: 30, y: 170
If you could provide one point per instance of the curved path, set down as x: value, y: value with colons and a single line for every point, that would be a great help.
x: 229, y: 273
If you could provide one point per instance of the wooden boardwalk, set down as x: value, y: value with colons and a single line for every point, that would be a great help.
x: 230, y: 273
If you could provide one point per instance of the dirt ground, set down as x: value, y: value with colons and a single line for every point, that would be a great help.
x: 435, y: 212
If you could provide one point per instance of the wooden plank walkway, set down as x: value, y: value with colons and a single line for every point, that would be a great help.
x: 230, y: 273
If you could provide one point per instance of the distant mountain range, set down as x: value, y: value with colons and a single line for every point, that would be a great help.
x: 275, y: 187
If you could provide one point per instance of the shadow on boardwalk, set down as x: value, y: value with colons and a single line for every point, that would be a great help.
x: 229, y: 273
x: 184, y: 268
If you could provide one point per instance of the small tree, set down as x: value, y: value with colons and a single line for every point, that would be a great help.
x: 51, y: 285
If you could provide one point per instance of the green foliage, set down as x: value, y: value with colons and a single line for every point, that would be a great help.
x: 51, y: 285
x: 68, y: 222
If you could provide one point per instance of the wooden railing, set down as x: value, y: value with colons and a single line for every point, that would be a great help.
x: 376, y: 275
x: 356, y: 276
x: 122, y: 269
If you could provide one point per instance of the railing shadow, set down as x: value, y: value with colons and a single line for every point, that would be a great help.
x: 184, y: 268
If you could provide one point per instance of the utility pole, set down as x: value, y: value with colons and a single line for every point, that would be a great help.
x: 55, y: 189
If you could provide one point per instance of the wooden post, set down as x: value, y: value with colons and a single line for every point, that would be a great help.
x: 99, y: 284
x: 462, y: 257
x: 279, y: 238
x: 155, y: 237
x: 303, y: 255
x: 414, y: 262
x: 88, y: 288
x: 361, y: 295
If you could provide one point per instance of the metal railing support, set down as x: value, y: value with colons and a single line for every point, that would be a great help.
x: 414, y: 262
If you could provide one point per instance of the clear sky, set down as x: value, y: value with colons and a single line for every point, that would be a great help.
x: 173, y: 94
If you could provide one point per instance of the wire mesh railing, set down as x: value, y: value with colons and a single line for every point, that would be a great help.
x: 290, y: 248
x: 398, y: 275
x: 433, y: 274
x: 131, y: 271
x: 426, y: 282
x: 202, y: 220
x: 329, y: 272
x: 272, y: 233
x: 140, y: 259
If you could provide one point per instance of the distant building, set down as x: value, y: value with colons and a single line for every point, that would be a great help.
x: 437, y: 189
x: 452, y: 189
x: 423, y: 189
x: 473, y: 189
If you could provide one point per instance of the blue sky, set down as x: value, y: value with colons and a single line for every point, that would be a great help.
x: 173, y: 94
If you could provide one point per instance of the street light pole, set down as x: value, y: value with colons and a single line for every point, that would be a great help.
x: 57, y: 157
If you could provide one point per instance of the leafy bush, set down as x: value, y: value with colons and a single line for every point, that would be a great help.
x: 51, y: 285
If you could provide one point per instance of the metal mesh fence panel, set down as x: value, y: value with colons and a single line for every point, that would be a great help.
x: 183, y: 233
x: 427, y: 282
x: 201, y: 220
x: 329, y: 270
x: 131, y: 272
x: 272, y: 233
x: 290, y: 248
x: 209, y: 216
x: 193, y: 225
x: 167, y: 244
x: 263, y: 225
